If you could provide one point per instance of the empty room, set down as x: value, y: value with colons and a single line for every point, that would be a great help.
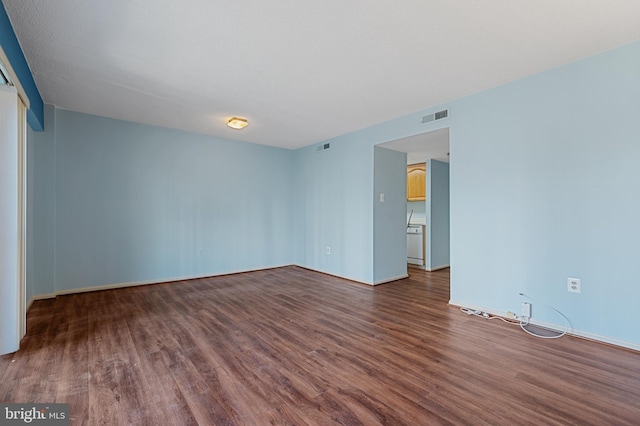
x: 318, y: 213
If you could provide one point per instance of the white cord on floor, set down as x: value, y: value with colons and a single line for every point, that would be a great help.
x: 504, y: 320
x: 487, y: 316
x: 522, y: 323
x: 566, y: 330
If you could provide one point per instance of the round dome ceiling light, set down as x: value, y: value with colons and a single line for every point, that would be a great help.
x: 237, y: 123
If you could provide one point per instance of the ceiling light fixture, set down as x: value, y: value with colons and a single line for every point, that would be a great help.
x: 237, y: 123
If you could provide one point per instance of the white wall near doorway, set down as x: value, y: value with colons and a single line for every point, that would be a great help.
x: 11, y: 227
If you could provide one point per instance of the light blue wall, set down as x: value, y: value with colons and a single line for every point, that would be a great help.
x: 40, y: 208
x: 545, y: 184
x: 333, y: 198
x: 389, y: 229
x: 11, y: 47
x: 438, y: 218
x: 333, y: 192
x: 140, y: 203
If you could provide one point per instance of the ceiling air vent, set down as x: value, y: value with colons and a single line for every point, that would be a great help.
x: 437, y: 116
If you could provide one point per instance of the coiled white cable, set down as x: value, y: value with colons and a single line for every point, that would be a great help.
x: 523, y: 323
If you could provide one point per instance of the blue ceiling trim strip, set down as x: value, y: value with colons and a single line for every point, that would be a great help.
x: 11, y: 47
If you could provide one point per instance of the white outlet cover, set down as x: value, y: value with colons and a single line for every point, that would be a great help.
x: 574, y: 285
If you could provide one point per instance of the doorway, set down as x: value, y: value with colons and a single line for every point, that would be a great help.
x: 430, y: 215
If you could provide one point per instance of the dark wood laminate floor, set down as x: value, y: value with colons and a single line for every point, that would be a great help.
x: 290, y: 346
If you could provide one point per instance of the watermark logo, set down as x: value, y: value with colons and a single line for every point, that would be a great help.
x: 34, y: 414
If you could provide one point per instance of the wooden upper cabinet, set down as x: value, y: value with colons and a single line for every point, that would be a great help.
x: 416, y: 182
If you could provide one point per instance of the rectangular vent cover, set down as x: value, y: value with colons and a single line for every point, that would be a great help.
x: 442, y: 114
x: 428, y: 118
x: 323, y: 147
x: 437, y: 116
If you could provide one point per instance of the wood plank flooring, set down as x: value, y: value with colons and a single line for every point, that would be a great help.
x: 291, y: 346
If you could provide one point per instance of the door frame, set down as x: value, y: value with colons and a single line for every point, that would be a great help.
x: 18, y: 324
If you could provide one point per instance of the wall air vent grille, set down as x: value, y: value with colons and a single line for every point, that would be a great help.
x: 428, y: 118
x: 437, y: 116
x: 442, y: 114
x: 323, y: 147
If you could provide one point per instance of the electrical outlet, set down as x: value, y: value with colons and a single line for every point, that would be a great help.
x: 574, y: 285
x: 525, y: 309
x: 327, y: 250
x: 381, y: 197
x: 511, y: 315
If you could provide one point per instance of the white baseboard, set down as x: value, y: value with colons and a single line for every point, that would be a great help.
x: 436, y: 268
x: 195, y: 277
x: 146, y: 282
x: 123, y: 285
x: 39, y: 297
x: 43, y: 297
x: 356, y: 280
x: 605, y: 339
x: 556, y: 327
x: 388, y: 280
x: 424, y: 268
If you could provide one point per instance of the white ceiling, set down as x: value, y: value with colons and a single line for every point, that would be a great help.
x: 301, y: 71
